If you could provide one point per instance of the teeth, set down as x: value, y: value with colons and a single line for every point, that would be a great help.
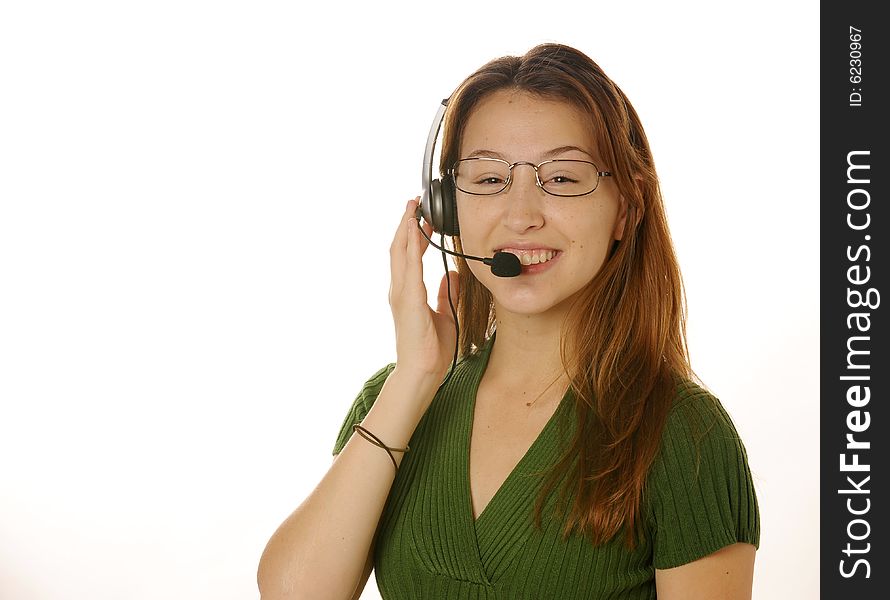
x: 532, y: 257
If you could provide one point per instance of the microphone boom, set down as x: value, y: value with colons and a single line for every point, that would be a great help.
x: 503, y: 264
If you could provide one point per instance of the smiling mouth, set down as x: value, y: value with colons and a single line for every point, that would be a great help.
x: 532, y: 257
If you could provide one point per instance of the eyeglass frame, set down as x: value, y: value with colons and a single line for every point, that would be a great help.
x: 538, y: 181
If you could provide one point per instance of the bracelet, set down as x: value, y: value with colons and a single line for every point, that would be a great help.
x: 378, y: 442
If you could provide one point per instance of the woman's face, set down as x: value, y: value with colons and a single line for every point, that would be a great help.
x: 526, y: 221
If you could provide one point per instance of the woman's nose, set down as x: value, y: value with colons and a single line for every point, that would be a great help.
x: 525, y: 199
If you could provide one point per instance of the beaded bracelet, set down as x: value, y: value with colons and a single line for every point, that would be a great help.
x: 378, y: 442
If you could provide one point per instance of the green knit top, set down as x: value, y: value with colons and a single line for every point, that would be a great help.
x: 699, y: 498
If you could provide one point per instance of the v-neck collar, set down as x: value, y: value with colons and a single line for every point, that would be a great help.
x: 500, y: 518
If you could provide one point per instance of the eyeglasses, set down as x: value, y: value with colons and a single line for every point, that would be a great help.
x: 484, y: 176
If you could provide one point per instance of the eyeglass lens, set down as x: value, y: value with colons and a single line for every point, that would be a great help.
x: 487, y: 176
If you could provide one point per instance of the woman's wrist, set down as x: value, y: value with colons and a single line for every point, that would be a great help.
x: 399, y: 407
x: 419, y: 379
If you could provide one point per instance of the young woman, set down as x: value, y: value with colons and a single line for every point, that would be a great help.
x: 569, y: 454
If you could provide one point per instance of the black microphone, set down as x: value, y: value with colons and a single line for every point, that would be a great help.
x: 503, y: 264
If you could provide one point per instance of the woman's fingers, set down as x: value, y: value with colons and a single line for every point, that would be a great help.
x: 413, y: 264
x: 398, y: 250
x: 406, y: 266
x: 424, y: 243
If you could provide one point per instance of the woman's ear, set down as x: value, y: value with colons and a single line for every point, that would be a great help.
x: 623, y: 209
x: 618, y: 232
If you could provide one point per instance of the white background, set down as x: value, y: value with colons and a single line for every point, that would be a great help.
x: 188, y: 304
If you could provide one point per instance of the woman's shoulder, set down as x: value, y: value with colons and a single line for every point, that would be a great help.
x: 364, y: 400
x: 697, y: 413
x: 362, y: 404
x: 700, y: 490
x: 699, y: 440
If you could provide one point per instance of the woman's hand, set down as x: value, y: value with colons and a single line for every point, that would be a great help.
x: 424, y: 338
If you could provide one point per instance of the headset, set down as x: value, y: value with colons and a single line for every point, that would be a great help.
x: 437, y: 205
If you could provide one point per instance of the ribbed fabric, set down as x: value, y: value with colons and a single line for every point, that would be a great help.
x: 699, y: 498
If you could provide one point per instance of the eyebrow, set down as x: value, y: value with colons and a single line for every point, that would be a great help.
x: 546, y: 155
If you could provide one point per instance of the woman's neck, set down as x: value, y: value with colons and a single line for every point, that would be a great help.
x: 526, y: 350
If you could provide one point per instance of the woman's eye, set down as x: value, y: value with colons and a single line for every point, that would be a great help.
x: 490, y: 180
x: 557, y: 179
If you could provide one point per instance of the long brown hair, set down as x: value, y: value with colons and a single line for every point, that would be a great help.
x: 623, y: 343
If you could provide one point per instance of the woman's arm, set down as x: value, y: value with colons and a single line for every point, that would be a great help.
x: 363, y: 580
x: 727, y: 574
x: 322, y: 550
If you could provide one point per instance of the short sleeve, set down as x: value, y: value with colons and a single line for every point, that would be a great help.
x: 362, y: 405
x: 700, y: 488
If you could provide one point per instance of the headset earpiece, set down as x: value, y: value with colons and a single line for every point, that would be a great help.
x: 439, y: 208
x: 449, y: 207
x: 437, y: 204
